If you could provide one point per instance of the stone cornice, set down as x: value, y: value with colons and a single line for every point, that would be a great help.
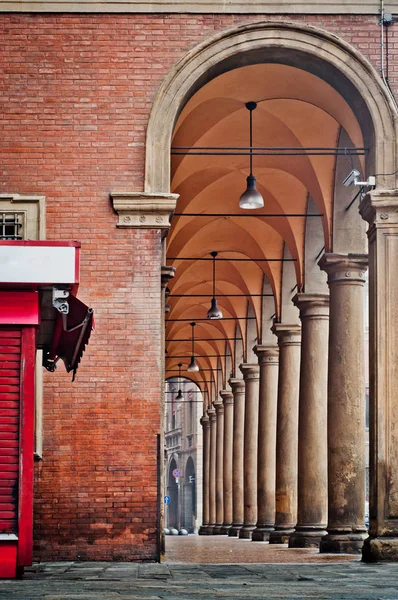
x: 144, y: 210
x: 198, y: 6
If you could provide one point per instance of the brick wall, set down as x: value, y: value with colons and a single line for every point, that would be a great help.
x: 76, y: 93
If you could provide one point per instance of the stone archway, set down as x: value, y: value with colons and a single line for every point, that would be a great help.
x: 353, y: 77
x: 308, y: 47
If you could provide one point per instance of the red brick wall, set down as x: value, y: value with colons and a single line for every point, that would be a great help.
x: 76, y: 92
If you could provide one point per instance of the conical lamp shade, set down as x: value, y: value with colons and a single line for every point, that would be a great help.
x: 251, y: 198
x: 179, y: 395
x: 214, y: 312
x: 193, y: 365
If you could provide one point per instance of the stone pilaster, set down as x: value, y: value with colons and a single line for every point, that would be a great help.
x: 380, y: 209
x: 251, y: 377
x: 212, y: 469
x: 228, y: 400
x: 312, y: 440
x: 238, y: 390
x: 218, y: 405
x: 289, y: 339
x: 346, y: 403
x: 205, y: 422
x: 268, y: 360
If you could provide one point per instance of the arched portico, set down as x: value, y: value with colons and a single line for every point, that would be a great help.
x: 366, y: 115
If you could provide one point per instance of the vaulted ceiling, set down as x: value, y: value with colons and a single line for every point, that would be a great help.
x: 296, y: 110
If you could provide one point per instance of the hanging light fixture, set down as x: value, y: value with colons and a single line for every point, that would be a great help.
x: 193, y: 365
x: 214, y: 312
x: 251, y: 197
x: 179, y: 394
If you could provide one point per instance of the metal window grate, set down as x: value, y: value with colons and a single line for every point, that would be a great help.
x: 10, y: 226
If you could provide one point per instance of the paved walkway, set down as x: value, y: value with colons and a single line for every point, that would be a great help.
x: 347, y: 580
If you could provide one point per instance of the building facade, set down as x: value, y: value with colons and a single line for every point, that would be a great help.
x: 102, y: 103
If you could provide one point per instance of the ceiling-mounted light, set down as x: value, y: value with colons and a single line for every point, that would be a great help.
x: 214, y: 312
x: 251, y: 197
x: 193, y: 365
x: 179, y: 394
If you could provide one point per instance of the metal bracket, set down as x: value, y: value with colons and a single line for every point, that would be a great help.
x: 59, y: 301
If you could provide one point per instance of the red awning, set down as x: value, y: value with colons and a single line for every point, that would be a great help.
x: 71, y: 335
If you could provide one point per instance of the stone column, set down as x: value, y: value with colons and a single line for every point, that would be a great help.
x: 228, y: 400
x: 346, y: 403
x: 268, y: 358
x: 289, y: 338
x: 312, y: 431
x: 205, y: 422
x: 238, y: 390
x: 380, y: 209
x: 251, y: 377
x: 218, y: 405
x: 212, y: 470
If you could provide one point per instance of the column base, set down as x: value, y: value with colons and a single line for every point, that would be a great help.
x: 380, y: 549
x: 261, y: 534
x: 342, y: 543
x: 234, y: 531
x: 204, y: 530
x: 307, y: 538
x: 217, y: 529
x: 225, y: 528
x: 280, y: 536
x: 246, y: 531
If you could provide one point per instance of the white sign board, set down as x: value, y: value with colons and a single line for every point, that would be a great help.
x: 37, y: 264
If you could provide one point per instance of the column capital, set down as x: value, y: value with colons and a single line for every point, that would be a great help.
x: 166, y: 273
x: 148, y: 210
x: 205, y: 421
x: 288, y: 335
x: 380, y: 207
x: 349, y: 268
x: 227, y: 396
x: 219, y: 406
x: 312, y: 306
x: 212, y: 415
x: 267, y: 354
x: 250, y: 371
x: 237, y: 385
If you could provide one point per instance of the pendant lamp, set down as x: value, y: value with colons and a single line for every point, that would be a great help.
x: 193, y: 365
x: 251, y: 197
x: 179, y: 394
x: 214, y: 312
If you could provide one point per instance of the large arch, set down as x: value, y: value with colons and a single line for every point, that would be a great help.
x: 318, y: 51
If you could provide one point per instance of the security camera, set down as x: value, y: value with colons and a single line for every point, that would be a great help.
x: 351, y: 178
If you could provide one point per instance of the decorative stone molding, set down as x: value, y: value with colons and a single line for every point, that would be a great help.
x: 237, y: 385
x: 205, y: 422
x: 219, y: 406
x: 288, y: 335
x: 144, y: 210
x: 250, y: 371
x: 227, y: 397
x: 312, y: 306
x: 380, y: 207
x: 196, y: 6
x: 212, y: 415
x: 267, y: 354
x: 344, y: 268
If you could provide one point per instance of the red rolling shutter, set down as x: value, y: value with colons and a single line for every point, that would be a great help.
x: 10, y: 371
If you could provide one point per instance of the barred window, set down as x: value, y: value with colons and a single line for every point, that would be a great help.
x: 11, y: 226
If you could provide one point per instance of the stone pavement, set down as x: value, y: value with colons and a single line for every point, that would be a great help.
x: 325, y: 578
